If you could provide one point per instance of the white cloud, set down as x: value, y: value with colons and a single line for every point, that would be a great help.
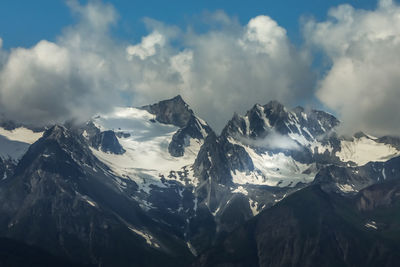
x: 265, y: 36
x: 362, y: 84
x: 225, y: 69
x: 94, y: 17
x: 273, y: 140
x: 230, y: 69
x: 70, y: 78
x: 147, y: 47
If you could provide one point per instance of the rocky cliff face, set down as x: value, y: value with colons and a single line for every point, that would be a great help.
x: 171, y: 111
x: 350, y: 180
x: 176, y: 112
x: 107, y: 142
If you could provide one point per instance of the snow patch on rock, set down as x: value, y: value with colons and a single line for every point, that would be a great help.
x: 365, y: 149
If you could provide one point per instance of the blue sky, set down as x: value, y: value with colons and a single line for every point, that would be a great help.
x: 25, y: 22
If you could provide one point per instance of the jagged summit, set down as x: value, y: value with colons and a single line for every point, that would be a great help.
x: 60, y: 146
x: 171, y: 111
x: 55, y: 132
x: 107, y: 142
x: 177, y: 112
x: 260, y: 120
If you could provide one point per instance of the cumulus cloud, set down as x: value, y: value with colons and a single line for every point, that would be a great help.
x: 70, y: 78
x: 362, y: 84
x: 224, y: 69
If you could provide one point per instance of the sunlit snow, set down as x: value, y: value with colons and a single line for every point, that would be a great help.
x: 365, y: 149
x: 21, y: 134
x: 16, y: 142
x: 146, y: 157
x: 274, y: 170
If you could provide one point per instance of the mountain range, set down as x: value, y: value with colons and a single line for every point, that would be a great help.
x: 156, y: 186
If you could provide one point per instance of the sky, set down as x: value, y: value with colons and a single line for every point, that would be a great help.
x: 70, y: 59
x: 24, y: 22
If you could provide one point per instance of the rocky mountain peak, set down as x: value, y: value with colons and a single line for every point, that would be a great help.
x: 177, y: 112
x: 260, y: 120
x: 275, y: 106
x: 171, y: 111
x: 56, y: 132
x: 107, y: 142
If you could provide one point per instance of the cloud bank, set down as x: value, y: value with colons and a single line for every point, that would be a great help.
x: 224, y: 69
x: 85, y: 71
x: 363, y: 83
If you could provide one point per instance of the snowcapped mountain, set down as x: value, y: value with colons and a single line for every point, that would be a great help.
x: 63, y: 199
x: 278, y: 147
x: 156, y: 184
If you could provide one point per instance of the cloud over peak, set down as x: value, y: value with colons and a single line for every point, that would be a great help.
x: 225, y: 69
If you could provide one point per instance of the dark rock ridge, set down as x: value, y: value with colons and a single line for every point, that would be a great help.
x: 222, y: 156
x: 214, y: 193
x: 194, y: 128
x: 385, y: 196
x: 350, y: 180
x: 218, y: 157
x: 63, y: 200
x: 171, y: 111
x: 390, y: 140
x: 175, y: 111
x: 107, y: 142
x: 274, y: 118
x: 315, y: 228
